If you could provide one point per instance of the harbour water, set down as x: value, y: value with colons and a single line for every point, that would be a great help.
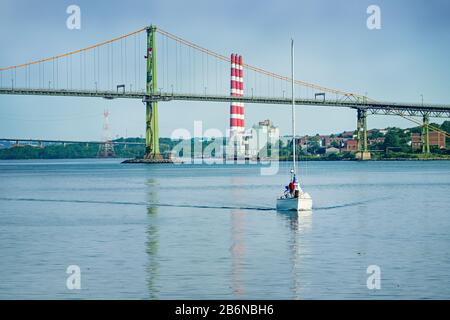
x: 211, y: 232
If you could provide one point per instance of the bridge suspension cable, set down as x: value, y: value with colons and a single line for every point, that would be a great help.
x: 106, y: 66
x: 73, y: 52
x: 94, y: 66
x: 90, y: 68
x: 259, y: 70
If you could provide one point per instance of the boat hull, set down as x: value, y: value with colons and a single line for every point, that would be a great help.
x: 302, y: 203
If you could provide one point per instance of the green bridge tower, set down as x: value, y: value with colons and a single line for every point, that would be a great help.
x: 151, y: 114
x: 362, y: 152
x: 426, y: 134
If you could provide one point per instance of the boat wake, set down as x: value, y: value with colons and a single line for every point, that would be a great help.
x: 351, y: 204
x: 181, y: 205
x: 146, y: 204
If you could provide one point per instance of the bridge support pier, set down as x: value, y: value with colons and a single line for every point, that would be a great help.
x: 151, y: 108
x: 362, y: 152
x: 426, y: 134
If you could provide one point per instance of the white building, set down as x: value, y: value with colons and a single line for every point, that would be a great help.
x: 260, y: 135
x: 252, y: 143
x: 236, y: 145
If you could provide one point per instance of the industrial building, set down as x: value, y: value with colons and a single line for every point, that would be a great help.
x: 435, y: 139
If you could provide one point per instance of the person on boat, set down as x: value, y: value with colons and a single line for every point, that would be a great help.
x: 291, y: 187
x: 286, y: 191
x: 296, y: 190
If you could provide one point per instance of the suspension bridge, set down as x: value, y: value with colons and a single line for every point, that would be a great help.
x: 127, y: 67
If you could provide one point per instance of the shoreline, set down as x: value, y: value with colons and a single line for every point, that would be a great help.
x: 144, y: 161
x: 168, y: 161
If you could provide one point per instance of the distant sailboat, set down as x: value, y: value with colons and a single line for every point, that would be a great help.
x: 294, y: 198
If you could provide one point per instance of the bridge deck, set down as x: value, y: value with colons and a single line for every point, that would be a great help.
x: 70, y: 141
x: 373, y: 107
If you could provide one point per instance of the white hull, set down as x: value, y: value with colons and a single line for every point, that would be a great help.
x: 302, y: 203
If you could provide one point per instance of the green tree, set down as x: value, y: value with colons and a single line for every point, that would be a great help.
x: 335, y: 144
x: 446, y: 126
x: 391, y: 140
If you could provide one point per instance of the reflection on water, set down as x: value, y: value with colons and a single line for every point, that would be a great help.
x: 237, y: 245
x: 299, y: 223
x: 237, y: 252
x: 152, y: 243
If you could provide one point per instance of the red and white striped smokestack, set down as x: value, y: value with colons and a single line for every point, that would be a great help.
x: 241, y: 91
x: 234, y: 115
x: 237, y: 89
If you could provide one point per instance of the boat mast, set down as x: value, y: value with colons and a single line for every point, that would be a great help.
x: 293, y: 105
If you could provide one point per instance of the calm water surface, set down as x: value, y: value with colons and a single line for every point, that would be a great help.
x: 168, y: 231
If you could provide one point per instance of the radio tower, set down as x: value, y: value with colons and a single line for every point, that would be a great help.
x: 106, y: 150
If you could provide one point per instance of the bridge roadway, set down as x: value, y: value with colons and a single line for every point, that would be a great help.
x: 18, y: 140
x: 349, y: 101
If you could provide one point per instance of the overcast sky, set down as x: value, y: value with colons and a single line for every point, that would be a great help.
x: 407, y: 57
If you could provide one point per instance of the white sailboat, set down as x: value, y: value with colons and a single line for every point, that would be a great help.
x: 294, y: 199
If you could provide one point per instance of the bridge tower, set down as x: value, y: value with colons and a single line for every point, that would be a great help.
x: 362, y: 152
x: 151, y: 112
x: 426, y: 134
